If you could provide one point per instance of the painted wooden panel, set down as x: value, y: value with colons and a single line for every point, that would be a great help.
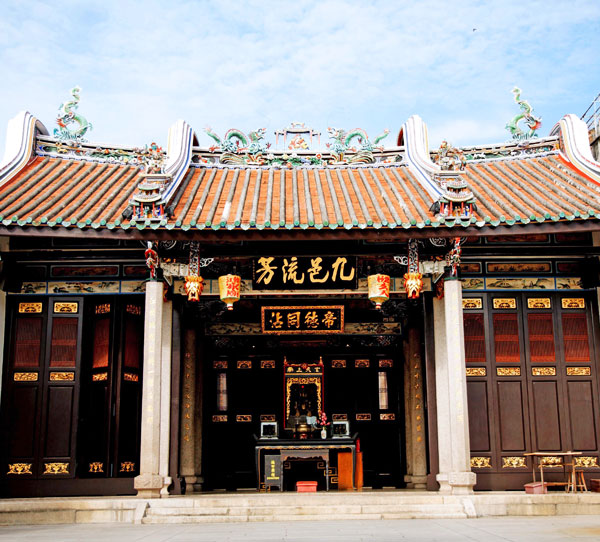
x: 510, y: 413
x: 57, y: 442
x: 22, y: 421
x: 479, y: 428
x: 546, y: 416
x: 581, y: 409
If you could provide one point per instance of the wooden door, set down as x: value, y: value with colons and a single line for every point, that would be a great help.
x: 41, y: 391
x: 532, y: 382
x: 110, y: 424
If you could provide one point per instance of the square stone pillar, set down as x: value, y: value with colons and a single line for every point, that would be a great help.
x: 151, y: 479
x: 455, y: 474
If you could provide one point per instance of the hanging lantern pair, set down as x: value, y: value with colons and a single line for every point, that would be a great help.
x: 229, y: 289
x: 379, y: 289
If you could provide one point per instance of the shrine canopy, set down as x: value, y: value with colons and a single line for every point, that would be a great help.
x: 353, y: 186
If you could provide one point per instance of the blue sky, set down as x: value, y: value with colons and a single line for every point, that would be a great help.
x: 251, y: 64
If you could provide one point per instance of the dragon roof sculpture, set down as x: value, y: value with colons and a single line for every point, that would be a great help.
x: 526, y: 115
x: 67, y: 116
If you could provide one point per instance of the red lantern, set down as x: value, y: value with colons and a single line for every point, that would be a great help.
x: 413, y: 284
x: 193, y: 287
x: 229, y: 289
x: 379, y: 289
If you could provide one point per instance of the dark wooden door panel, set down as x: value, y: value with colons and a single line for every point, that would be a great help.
x: 479, y: 428
x: 581, y: 410
x: 22, y: 422
x: 59, y: 418
x: 546, y: 416
x: 510, y: 413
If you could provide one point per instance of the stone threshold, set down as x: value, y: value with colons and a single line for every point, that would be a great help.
x: 247, y: 507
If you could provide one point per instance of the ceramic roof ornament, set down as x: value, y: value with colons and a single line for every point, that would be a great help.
x: 526, y: 116
x: 68, y: 116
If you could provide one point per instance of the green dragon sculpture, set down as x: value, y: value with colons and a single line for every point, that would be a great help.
x: 239, y: 148
x: 67, y: 115
x: 526, y: 116
x: 341, y: 145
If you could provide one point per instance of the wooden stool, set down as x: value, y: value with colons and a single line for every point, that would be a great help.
x: 579, y: 481
x: 576, y: 479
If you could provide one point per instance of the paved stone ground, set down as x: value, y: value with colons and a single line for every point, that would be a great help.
x: 513, y: 529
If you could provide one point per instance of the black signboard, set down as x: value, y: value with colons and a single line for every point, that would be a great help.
x: 304, y: 273
x: 272, y: 471
x: 321, y: 319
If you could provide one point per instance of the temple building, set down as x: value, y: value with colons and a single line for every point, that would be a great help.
x: 253, y: 315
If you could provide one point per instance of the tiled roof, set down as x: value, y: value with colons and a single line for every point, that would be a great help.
x: 70, y: 193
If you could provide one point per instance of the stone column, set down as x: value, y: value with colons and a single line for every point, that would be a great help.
x: 187, y: 447
x: 408, y: 417
x: 419, y: 452
x: 150, y: 482
x: 441, y: 394
x: 165, y: 396
x: 451, y: 383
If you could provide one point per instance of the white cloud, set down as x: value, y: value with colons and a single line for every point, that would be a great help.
x: 343, y: 63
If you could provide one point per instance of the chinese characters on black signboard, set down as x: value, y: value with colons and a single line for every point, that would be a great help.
x: 304, y: 273
x: 322, y: 319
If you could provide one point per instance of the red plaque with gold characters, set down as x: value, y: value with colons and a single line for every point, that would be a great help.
x: 305, y: 320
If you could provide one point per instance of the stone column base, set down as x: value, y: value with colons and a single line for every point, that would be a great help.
x: 442, y: 479
x: 462, y: 483
x: 419, y: 481
x: 148, y: 486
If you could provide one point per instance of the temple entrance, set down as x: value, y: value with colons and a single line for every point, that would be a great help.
x: 252, y: 383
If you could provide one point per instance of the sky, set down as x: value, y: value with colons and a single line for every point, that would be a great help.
x: 263, y: 64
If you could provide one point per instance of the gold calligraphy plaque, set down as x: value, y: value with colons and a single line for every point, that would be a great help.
x: 25, y: 377
x: 30, y: 308
x: 573, y: 303
x: 579, y: 371
x: 513, y: 462
x: 505, y: 303
x: 481, y: 462
x: 472, y: 303
x: 539, y: 303
x: 314, y: 319
x: 62, y: 376
x: 56, y: 468
x: 62, y: 307
x: 543, y: 371
x: 19, y: 468
x: 476, y: 371
x: 508, y: 371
